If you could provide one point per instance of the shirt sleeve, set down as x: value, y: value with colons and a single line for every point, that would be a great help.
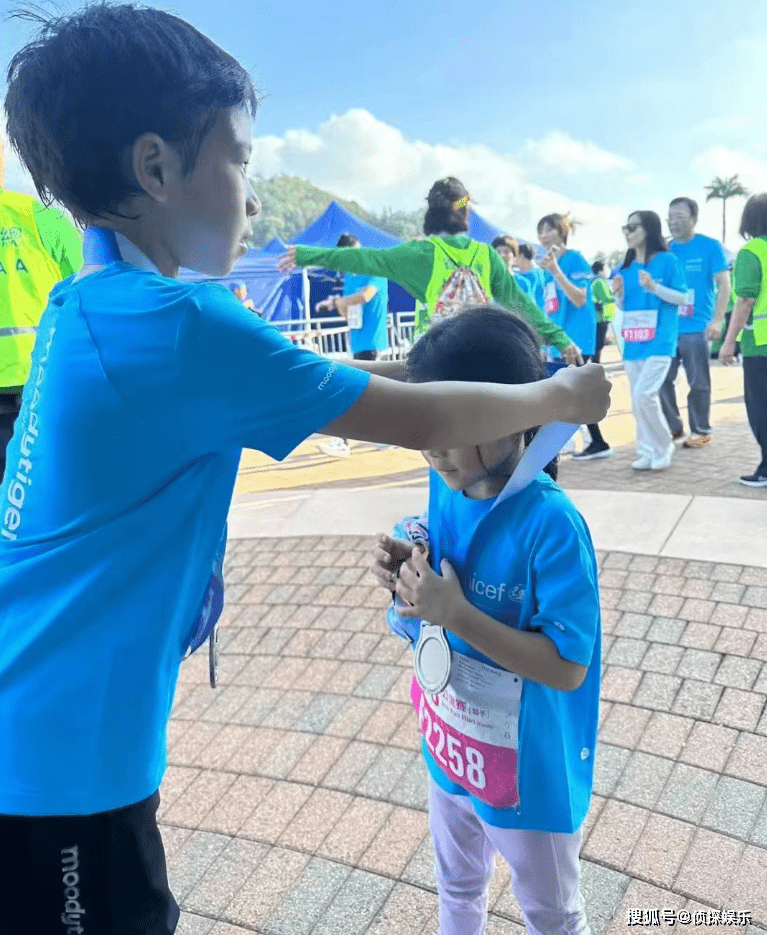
x: 566, y: 588
x: 747, y: 275
x: 718, y: 259
x: 242, y: 383
x: 409, y: 264
x: 578, y: 270
x: 61, y: 239
x: 508, y: 293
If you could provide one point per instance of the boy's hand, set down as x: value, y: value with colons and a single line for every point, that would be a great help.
x: 431, y: 597
x: 287, y: 261
x: 388, y: 557
x: 586, y: 393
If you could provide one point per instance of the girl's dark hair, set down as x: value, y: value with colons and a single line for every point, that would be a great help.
x: 448, y: 208
x: 526, y: 250
x: 481, y: 344
x: 655, y: 242
x: 91, y: 83
x: 557, y: 221
x: 753, y: 223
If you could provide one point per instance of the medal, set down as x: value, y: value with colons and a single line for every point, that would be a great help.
x: 433, y: 658
x: 213, y: 656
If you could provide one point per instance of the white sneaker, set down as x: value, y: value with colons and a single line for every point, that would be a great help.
x: 641, y: 464
x: 660, y: 464
x: 337, y: 448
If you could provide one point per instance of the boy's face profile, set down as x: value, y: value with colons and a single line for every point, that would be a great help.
x: 200, y: 221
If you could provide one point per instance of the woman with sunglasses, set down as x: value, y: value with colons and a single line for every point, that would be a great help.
x: 649, y: 287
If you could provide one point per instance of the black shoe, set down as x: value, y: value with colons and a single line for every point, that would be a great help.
x: 593, y: 451
x: 753, y: 480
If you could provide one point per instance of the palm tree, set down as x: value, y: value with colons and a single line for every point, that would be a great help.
x: 724, y: 189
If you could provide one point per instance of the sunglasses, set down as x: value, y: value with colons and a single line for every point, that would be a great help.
x: 630, y: 228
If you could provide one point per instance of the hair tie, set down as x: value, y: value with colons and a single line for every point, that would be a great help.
x: 457, y: 205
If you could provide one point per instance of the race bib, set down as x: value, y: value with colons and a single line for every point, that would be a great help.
x: 472, y: 729
x: 687, y: 309
x: 354, y: 316
x: 639, y: 326
x: 550, y: 298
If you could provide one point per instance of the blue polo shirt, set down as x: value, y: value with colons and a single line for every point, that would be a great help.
x: 144, y: 391
x: 666, y: 270
x: 701, y: 259
x: 372, y: 336
x: 580, y: 324
x: 538, y: 546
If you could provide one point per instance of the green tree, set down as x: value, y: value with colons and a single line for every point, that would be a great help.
x: 724, y: 189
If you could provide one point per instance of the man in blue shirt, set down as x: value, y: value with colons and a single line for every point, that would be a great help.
x: 364, y: 304
x: 707, y: 275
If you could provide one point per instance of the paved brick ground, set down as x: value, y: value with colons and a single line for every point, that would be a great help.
x: 294, y: 802
x: 712, y: 471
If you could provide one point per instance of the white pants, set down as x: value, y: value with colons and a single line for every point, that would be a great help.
x: 545, y: 870
x: 646, y: 378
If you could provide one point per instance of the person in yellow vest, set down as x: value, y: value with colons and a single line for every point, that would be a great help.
x: 749, y: 316
x: 38, y: 248
x: 445, y: 271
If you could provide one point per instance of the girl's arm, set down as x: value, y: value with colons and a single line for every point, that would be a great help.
x: 455, y: 415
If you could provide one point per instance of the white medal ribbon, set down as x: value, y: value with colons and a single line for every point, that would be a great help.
x: 433, y: 657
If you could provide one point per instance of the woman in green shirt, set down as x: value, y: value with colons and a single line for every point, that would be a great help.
x: 750, y: 314
x: 416, y: 265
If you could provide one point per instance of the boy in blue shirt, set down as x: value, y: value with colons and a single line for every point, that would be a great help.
x: 705, y: 269
x: 143, y: 392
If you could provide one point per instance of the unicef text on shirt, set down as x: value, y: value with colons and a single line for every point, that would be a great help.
x: 18, y: 485
x: 495, y: 592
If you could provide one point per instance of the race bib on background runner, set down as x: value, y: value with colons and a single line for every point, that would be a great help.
x: 354, y: 316
x: 639, y: 326
x: 687, y: 309
x: 550, y: 298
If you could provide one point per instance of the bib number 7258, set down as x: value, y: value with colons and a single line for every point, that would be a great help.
x: 438, y: 740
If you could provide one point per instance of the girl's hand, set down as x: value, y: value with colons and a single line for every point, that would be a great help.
x: 287, y: 261
x: 646, y: 281
x: 431, y: 597
x: 617, y: 287
x: 549, y: 261
x: 388, y: 557
x: 572, y: 354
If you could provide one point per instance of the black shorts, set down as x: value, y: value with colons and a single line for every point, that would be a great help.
x: 366, y: 355
x: 101, y: 874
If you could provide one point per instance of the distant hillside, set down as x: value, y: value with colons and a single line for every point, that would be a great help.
x: 290, y: 204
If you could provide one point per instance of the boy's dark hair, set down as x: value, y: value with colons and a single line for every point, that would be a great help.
x: 655, y: 242
x: 348, y: 240
x: 691, y: 204
x: 598, y: 267
x: 90, y: 84
x: 481, y: 344
x: 558, y: 221
x: 526, y: 250
x: 448, y: 208
x: 753, y: 222
x: 506, y: 240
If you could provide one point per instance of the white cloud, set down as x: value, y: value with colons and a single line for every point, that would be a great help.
x: 359, y: 157
x: 561, y: 152
x: 17, y: 178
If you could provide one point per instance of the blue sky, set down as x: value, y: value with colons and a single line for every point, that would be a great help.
x: 538, y: 108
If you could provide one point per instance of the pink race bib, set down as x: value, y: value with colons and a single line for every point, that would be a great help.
x: 550, y: 298
x: 639, y: 326
x: 471, y: 729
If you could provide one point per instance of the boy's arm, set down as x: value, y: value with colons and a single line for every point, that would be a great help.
x: 508, y: 293
x: 457, y: 415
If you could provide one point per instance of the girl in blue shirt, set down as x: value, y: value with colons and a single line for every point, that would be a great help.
x: 649, y: 287
x: 509, y: 743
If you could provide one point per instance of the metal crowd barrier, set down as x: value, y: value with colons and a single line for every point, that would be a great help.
x: 333, y: 341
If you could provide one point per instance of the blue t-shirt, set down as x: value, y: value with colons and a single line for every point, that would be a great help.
x: 701, y: 258
x: 120, y: 473
x: 538, y: 546
x: 666, y: 270
x: 372, y: 336
x: 579, y: 324
x: 532, y: 281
